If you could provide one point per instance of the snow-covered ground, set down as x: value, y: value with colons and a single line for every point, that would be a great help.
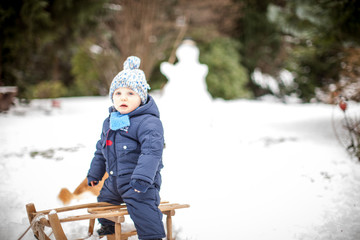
x: 254, y: 170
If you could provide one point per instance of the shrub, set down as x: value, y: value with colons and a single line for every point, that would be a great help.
x: 47, y: 89
x: 227, y: 78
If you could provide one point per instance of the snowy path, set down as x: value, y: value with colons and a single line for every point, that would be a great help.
x: 249, y: 169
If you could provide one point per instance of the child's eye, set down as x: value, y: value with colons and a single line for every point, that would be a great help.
x: 118, y: 93
x: 131, y: 93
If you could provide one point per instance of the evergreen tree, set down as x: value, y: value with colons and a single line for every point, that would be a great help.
x: 315, y: 40
x: 262, y: 45
x: 38, y: 38
x: 318, y: 35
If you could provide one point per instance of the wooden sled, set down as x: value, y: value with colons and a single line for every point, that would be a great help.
x: 116, y: 213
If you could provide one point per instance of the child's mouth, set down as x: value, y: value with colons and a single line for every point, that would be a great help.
x: 123, y: 105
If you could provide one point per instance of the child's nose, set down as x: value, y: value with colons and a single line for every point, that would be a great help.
x: 123, y: 97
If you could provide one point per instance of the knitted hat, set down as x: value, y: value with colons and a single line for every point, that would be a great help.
x: 131, y: 77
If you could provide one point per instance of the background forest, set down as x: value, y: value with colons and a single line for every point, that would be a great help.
x: 59, y: 48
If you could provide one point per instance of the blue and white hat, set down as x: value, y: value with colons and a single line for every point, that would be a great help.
x: 131, y: 77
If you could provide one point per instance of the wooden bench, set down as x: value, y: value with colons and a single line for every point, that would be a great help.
x: 116, y: 213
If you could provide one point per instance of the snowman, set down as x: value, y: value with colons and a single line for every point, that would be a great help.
x: 186, y: 79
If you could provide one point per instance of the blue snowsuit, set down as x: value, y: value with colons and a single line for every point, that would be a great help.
x: 133, y: 159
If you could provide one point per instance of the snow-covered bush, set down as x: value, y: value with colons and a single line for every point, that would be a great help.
x: 347, y: 128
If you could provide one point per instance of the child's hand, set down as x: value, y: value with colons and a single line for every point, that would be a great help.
x: 93, y: 183
x: 137, y: 191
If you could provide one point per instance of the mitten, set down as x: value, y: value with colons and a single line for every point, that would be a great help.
x: 140, y: 185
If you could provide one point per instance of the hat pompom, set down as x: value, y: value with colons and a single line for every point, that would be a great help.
x: 132, y: 63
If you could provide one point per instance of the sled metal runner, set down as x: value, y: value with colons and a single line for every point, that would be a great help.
x: 116, y: 213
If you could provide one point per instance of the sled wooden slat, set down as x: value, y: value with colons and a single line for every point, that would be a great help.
x: 98, y: 209
x: 93, y: 216
x: 76, y: 207
x: 115, y: 213
x: 56, y: 226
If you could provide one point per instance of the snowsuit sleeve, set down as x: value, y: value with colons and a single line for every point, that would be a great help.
x: 151, y: 137
x: 97, y: 166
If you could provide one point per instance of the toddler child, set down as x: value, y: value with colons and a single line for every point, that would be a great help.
x: 130, y: 151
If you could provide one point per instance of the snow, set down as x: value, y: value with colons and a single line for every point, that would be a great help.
x: 249, y: 169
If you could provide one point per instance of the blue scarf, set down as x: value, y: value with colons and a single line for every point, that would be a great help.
x: 119, y: 121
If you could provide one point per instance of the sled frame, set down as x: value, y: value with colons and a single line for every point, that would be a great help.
x: 116, y: 213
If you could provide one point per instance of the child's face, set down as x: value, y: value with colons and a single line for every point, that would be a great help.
x: 126, y: 100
